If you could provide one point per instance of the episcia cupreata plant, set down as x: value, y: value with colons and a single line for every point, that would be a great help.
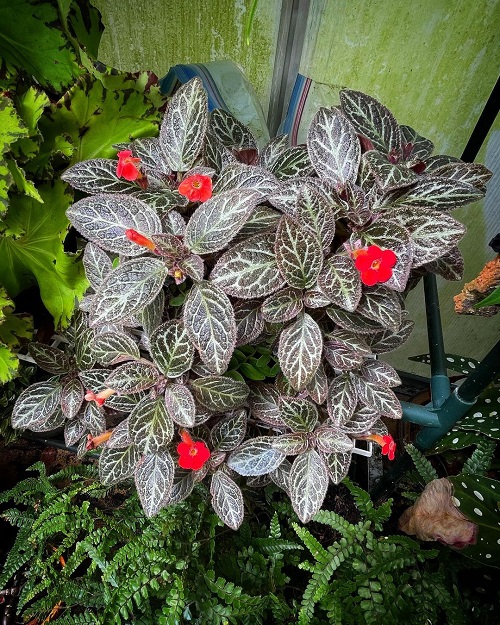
x: 198, y: 243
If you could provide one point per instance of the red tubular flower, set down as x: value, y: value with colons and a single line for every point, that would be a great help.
x: 101, y: 397
x: 374, y: 264
x: 127, y: 166
x: 140, y: 239
x: 386, y: 442
x: 197, y: 188
x: 192, y: 455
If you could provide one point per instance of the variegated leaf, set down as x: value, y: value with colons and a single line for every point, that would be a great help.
x: 332, y: 440
x: 387, y: 341
x: 94, y: 418
x: 227, y: 500
x: 341, y: 357
x: 173, y: 223
x: 292, y: 162
x: 120, y: 438
x: 154, y: 476
x: 73, y: 431
x: 415, y: 147
x: 439, y: 160
x: 439, y: 194
x: 127, y: 290
x: 380, y: 373
x: 299, y: 351
x: 93, y: 379
x: 339, y: 280
x: 273, y: 150
x: 300, y: 415
x: 239, y: 176
x: 338, y: 466
x: 298, y: 254
x: 317, y: 388
x: 286, y: 196
x: 333, y: 146
x: 54, y: 422
x: 291, y: 444
x: 350, y: 340
x: 36, y: 404
x: 182, y: 487
x: 282, y: 306
x: 123, y: 403
x: 151, y: 315
x: 152, y: 159
x: 103, y: 219
x: 262, y: 219
x: 215, y: 222
x: 314, y: 298
x: 249, y: 321
x: 170, y: 246
x: 281, y: 476
x: 209, y: 321
x: 388, y: 176
x: 97, y: 175
x: 342, y: 399
x: 97, y: 265
x: 471, y: 173
x: 249, y: 269
x: 116, y: 465
x: 263, y: 401
x: 449, y: 266
x: 184, y: 125
x: 308, y: 484
x: 111, y: 348
x: 192, y: 266
x: 229, y: 432
x: 150, y: 426
x: 230, y: 131
x: 256, y: 456
x: 220, y: 393
x: 171, y: 349
x: 357, y: 204
x: 361, y: 421
x: 72, y: 398
x: 313, y: 212
x: 180, y: 405
x: 379, y: 397
x: 163, y: 201
x: 372, y: 120
x: 432, y: 233
x: 391, y: 236
x: 49, y: 358
x: 133, y: 377
x: 354, y: 322
x: 216, y: 154
x: 382, y: 305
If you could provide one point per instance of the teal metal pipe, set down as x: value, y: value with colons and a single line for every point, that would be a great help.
x: 420, y: 415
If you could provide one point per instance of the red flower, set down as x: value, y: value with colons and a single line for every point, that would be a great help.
x: 374, y: 265
x: 140, y: 239
x: 196, y: 188
x: 389, y: 447
x: 101, y: 397
x: 192, y: 455
x: 127, y: 167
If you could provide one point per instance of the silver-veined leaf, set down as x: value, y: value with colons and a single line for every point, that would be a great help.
x: 120, y: 437
x: 249, y: 269
x: 388, y: 175
x: 230, y: 131
x: 103, y: 219
x: 380, y: 372
x: 308, y: 484
x: 329, y: 440
x: 342, y: 399
x: 72, y: 398
x: 116, y: 465
x: 282, y: 305
x: 300, y: 415
x: 133, y: 377
x: 314, y: 212
x: 338, y: 466
x: 219, y: 393
x: 439, y: 194
x: 381, y: 305
x: 262, y: 219
x: 339, y: 280
x: 217, y: 221
x: 249, y: 321
x: 341, y: 357
x: 154, y: 476
x: 73, y: 431
x: 171, y: 349
x: 94, y: 418
x: 471, y: 173
x: 361, y: 421
x: 97, y: 175
x: 192, y: 266
x: 184, y: 126
x: 36, y: 404
x: 239, y: 176
x: 256, y: 456
x: 111, y: 348
x: 209, y: 321
x: 291, y: 444
x: 317, y: 388
x: 353, y: 321
x: 293, y: 162
x: 97, y: 264
x: 180, y: 405
x: 379, y: 397
x: 150, y: 426
x: 227, y: 499
x: 49, y: 358
x: 151, y: 315
x: 148, y: 149
x: 387, y: 341
x: 449, y: 266
x: 281, y: 476
x: 299, y: 351
x: 333, y: 146
x: 84, y: 355
x: 421, y: 148
x: 263, y: 401
x: 298, y: 253
x: 229, y: 432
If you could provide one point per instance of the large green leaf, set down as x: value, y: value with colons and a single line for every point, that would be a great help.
x: 11, y: 128
x: 30, y: 40
x: 13, y: 329
x: 36, y: 253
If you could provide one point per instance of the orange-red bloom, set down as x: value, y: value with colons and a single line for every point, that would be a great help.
x: 374, y: 264
x: 101, y: 397
x: 192, y: 455
x: 386, y: 442
x: 127, y: 166
x: 140, y: 239
x: 197, y: 188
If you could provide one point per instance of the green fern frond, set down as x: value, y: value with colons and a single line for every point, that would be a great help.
x: 315, y: 547
x: 481, y: 458
x: 425, y: 469
x: 377, y: 516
